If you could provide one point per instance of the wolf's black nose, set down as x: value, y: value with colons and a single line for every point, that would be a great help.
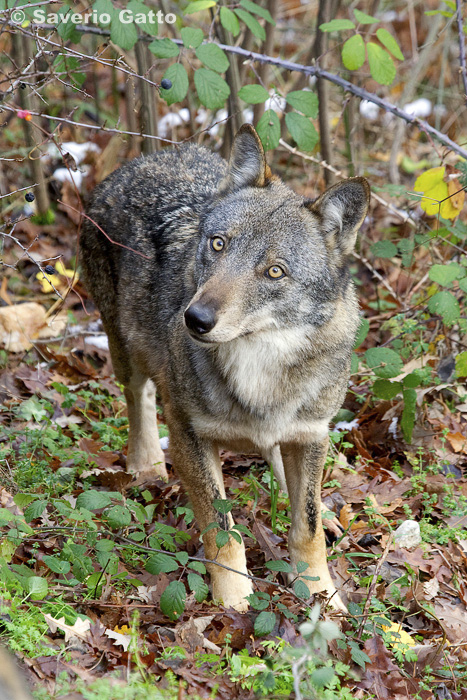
x: 200, y: 319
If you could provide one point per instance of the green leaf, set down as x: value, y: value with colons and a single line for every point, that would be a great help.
x: 359, y: 656
x: 252, y: 23
x: 269, y: 130
x: 139, y: 8
x: 445, y: 274
x: 463, y: 284
x: 58, y: 566
x: 446, y: 305
x: 93, y: 500
x: 213, y: 57
x: 301, y: 589
x: 362, y: 332
x: 34, y: 510
x: 353, y: 52
x: 264, y: 623
x: 279, y: 565
x: 302, y: 566
x: 118, y: 516
x: 198, y: 6
x: 66, y: 29
x: 411, y: 380
x: 197, y: 566
x: 362, y: 18
x: 161, y: 564
x: 229, y: 21
x: 182, y: 557
x: 192, y: 37
x: 222, y: 538
x: 337, y: 25
x: 37, y: 587
x: 302, y: 131
x: 382, y: 67
x: 124, y: 35
x: 212, y: 89
x: 177, y: 74
x: 322, y: 676
x: 173, y: 600
x: 384, y: 249
x: 253, y: 94
x: 385, y: 363
x: 408, y: 413
x: 390, y: 43
x: 105, y: 545
x: 461, y: 364
x: 258, y: 10
x: 384, y: 389
x: 304, y: 101
x: 164, y: 48
x: 198, y: 586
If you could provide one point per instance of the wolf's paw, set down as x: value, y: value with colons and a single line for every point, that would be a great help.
x: 232, y: 590
x: 146, y: 462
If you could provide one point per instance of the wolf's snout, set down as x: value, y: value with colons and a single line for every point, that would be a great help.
x: 200, y: 319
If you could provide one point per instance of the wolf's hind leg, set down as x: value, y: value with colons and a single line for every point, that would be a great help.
x: 145, y: 454
x: 198, y: 464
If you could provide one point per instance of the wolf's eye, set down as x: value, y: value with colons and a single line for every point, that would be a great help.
x: 275, y: 272
x: 217, y: 243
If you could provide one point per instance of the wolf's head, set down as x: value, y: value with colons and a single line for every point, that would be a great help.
x: 268, y: 258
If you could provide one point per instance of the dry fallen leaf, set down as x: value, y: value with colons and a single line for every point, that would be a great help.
x: 80, y: 629
x: 119, y: 639
x: 21, y: 324
x: 457, y: 441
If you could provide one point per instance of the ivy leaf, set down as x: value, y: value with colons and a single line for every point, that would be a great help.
x: 161, y: 563
x: 362, y: 18
x: 384, y: 362
x: 213, y: 57
x: 229, y: 21
x: 446, y: 274
x: 258, y: 10
x: 446, y: 305
x: 304, y: 101
x: 337, y: 25
x: 302, y: 130
x: 390, y: 43
x: 198, y: 5
x: 124, y: 35
x: 269, y: 130
x: 173, y: 600
x: 353, y: 52
x: 252, y: 23
x: 264, y: 623
x: 253, y: 94
x: 191, y: 37
x: 177, y: 74
x: 384, y: 389
x: 382, y: 67
x: 198, y: 586
x: 164, y: 48
x: 212, y: 89
x: 384, y: 249
x: 408, y: 413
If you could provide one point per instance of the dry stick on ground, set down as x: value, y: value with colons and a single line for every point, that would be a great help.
x: 148, y: 110
x: 285, y: 65
x: 22, y: 50
x: 460, y: 31
x: 268, y: 47
x: 419, y: 69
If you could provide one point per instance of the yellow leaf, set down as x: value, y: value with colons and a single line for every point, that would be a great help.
x: 429, y: 179
x: 61, y: 270
x: 46, y: 284
x: 431, y: 183
x: 398, y: 635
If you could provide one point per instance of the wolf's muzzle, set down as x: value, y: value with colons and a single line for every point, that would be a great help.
x: 200, y: 319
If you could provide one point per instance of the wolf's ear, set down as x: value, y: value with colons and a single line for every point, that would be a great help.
x: 341, y: 210
x: 247, y: 164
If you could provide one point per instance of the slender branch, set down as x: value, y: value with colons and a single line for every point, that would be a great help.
x: 308, y: 70
x: 460, y: 30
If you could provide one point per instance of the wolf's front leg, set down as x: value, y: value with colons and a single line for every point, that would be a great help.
x: 303, y: 470
x: 198, y: 464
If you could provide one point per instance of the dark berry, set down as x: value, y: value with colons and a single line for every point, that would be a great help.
x: 166, y: 84
x: 49, y: 269
x: 29, y: 197
x: 22, y: 86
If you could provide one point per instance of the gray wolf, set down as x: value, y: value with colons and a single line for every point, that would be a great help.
x: 238, y: 306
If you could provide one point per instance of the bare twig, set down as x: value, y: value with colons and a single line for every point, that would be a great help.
x: 460, y: 31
